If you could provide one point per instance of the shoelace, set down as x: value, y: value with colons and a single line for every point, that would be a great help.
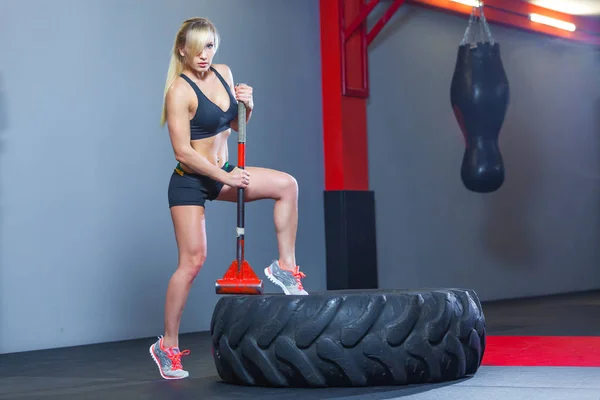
x: 299, y: 275
x: 176, y: 359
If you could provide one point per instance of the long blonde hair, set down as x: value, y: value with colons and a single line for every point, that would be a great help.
x: 192, y: 35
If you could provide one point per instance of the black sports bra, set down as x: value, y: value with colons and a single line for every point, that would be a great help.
x: 210, y: 119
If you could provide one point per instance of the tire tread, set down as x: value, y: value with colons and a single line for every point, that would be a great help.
x: 348, y: 339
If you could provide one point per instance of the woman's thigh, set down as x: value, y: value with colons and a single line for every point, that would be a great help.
x: 189, y: 224
x: 265, y: 183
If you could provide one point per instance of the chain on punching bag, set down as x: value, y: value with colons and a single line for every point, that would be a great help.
x: 479, y: 95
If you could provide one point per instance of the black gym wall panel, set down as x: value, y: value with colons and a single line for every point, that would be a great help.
x: 87, y: 245
x: 539, y: 233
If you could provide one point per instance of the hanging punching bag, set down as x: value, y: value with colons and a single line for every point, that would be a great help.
x: 479, y: 96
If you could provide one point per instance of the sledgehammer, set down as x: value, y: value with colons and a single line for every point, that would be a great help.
x: 240, y: 278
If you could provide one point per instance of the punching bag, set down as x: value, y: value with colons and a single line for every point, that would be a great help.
x: 479, y: 95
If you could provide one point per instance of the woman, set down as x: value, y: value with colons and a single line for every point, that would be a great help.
x: 200, y: 109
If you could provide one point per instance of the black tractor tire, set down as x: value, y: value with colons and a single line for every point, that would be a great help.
x: 348, y: 338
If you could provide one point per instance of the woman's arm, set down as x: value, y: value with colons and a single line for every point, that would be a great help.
x: 246, y: 94
x: 177, y: 104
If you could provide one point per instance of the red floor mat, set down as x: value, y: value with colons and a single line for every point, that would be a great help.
x: 549, y: 351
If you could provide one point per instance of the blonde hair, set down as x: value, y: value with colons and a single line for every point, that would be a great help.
x: 192, y: 35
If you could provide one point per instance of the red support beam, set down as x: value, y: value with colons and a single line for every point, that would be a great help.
x: 389, y: 13
x: 345, y: 88
x: 356, y: 40
x: 360, y: 18
x: 344, y: 117
x: 350, y: 234
x: 331, y: 56
x: 355, y: 79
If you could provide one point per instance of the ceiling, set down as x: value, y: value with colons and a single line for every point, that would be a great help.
x: 575, y: 7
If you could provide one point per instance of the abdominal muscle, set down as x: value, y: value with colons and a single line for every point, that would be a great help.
x: 214, y: 149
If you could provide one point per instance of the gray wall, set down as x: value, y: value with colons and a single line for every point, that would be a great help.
x: 87, y: 244
x: 540, y: 233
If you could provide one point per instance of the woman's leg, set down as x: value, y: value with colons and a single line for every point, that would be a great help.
x: 283, y: 188
x: 271, y: 184
x: 190, y: 233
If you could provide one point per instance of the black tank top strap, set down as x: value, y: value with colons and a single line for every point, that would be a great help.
x: 192, y: 84
x: 220, y: 77
x: 184, y: 76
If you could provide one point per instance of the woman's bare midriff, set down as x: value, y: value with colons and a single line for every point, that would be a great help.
x: 214, y: 149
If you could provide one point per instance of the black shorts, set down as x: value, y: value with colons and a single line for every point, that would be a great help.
x: 187, y: 189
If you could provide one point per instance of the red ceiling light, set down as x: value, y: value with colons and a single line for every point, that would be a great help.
x: 470, y: 3
x: 524, y: 15
x: 557, y: 23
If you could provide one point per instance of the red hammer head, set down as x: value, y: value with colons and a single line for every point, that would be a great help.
x: 239, y: 281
